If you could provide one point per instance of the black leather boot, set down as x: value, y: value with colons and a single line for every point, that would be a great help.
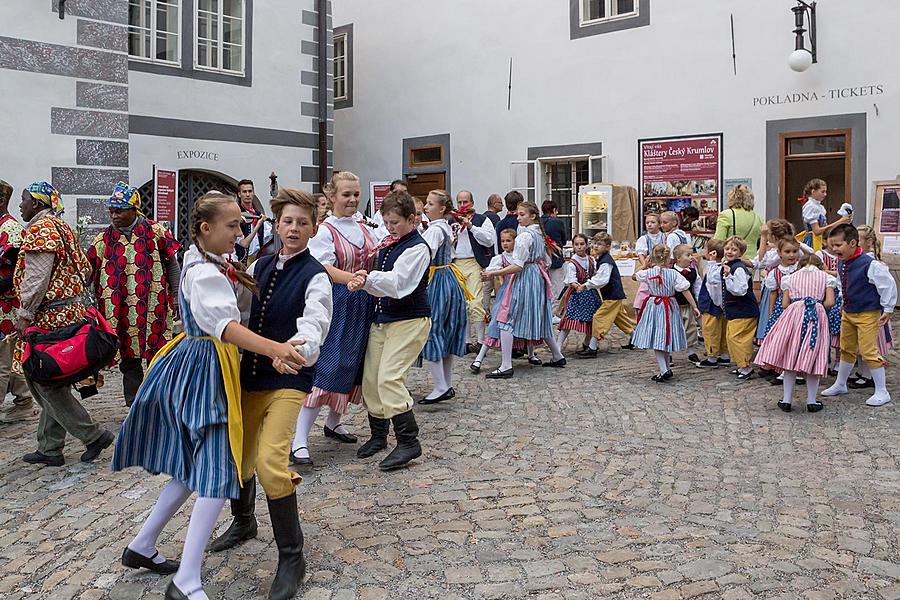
x: 289, y: 540
x: 378, y: 441
x: 407, y: 430
x: 243, y: 527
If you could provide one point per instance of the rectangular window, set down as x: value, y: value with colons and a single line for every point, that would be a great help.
x: 426, y: 156
x: 593, y: 11
x: 220, y: 35
x: 340, y: 67
x: 153, y: 30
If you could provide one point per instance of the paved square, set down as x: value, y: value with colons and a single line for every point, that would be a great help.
x: 587, y: 482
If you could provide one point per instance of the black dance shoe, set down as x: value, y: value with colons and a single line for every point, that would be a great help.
x: 556, y: 364
x: 498, y: 374
x: 135, y: 560
x: 816, y: 407
x: 450, y: 393
x: 785, y: 406
x: 347, y: 438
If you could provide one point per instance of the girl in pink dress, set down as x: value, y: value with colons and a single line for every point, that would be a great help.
x: 799, y: 341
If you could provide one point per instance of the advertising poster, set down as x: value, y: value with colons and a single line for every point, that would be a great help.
x: 165, y: 198
x: 378, y: 191
x: 890, y: 211
x: 681, y: 172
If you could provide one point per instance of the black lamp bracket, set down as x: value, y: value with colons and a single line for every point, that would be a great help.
x: 803, y: 12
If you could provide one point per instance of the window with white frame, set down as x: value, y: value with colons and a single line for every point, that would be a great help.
x: 220, y: 35
x: 153, y: 30
x: 597, y: 11
x: 340, y: 67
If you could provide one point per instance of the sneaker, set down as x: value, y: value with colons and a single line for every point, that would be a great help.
x: 878, y: 399
x: 692, y: 357
x: 835, y: 390
x: 708, y: 363
x: 19, y: 412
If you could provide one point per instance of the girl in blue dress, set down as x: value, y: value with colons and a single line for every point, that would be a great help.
x: 659, y: 325
x: 447, y: 296
x: 186, y: 418
x: 525, y: 310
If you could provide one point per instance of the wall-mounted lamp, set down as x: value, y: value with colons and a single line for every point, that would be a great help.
x: 62, y: 9
x: 801, y: 58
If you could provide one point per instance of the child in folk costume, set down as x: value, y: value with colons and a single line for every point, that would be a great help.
x: 709, y: 301
x: 669, y: 224
x: 613, y: 310
x: 798, y: 340
x: 186, y: 418
x: 789, y: 254
x: 499, y: 261
x: 870, y: 295
x: 659, y: 325
x: 829, y: 265
x: 685, y: 264
x: 399, y: 331
x: 447, y: 296
x: 343, y: 246
x: 815, y: 220
x: 740, y: 306
x: 294, y: 306
x: 645, y: 244
x: 577, y: 306
x: 525, y: 310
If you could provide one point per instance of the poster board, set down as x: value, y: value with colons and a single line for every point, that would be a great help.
x: 887, y: 224
x: 165, y: 198
x: 378, y: 191
x: 680, y: 171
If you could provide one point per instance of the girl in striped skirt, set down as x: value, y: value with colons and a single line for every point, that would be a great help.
x: 492, y: 333
x: 830, y: 265
x: 577, y: 308
x: 799, y: 341
x: 447, y: 296
x: 659, y: 325
x: 525, y: 310
x: 186, y: 418
x: 344, y: 246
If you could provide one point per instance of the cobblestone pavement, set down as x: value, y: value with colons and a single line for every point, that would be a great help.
x: 589, y: 482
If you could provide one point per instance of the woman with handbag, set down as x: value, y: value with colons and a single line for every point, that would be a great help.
x: 740, y: 220
x: 49, y: 280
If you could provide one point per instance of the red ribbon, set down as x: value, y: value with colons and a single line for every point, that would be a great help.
x: 385, y: 243
x: 659, y: 300
x: 231, y: 273
x: 802, y: 200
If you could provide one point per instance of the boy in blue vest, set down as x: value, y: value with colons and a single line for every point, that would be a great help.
x: 740, y: 306
x: 399, y: 282
x: 709, y: 301
x: 613, y: 311
x: 294, y: 304
x: 869, y: 294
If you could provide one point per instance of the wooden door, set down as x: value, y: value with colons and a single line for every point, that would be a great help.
x: 810, y: 155
x: 422, y: 183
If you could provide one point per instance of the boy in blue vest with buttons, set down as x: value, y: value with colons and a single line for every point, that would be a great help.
x: 294, y: 304
x: 613, y: 310
x: 869, y: 294
x: 740, y: 306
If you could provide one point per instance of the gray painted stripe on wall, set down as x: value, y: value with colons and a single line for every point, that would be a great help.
x: 69, y: 180
x: 101, y: 95
x: 201, y: 130
x: 310, y: 18
x: 102, y: 35
x: 101, y: 154
x: 309, y: 48
x: 536, y: 152
x: 69, y: 121
x: 309, y: 78
x: 309, y: 109
x: 115, y: 11
x: 309, y: 174
x: 95, y: 208
x: 53, y: 59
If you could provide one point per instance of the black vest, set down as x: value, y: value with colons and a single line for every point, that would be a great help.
x: 612, y: 290
x: 860, y: 295
x: 691, y: 278
x: 482, y: 255
x: 414, y: 306
x: 282, y: 299
x: 739, y: 307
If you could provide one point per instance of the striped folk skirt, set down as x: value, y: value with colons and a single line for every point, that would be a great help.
x: 530, y: 314
x: 449, y: 320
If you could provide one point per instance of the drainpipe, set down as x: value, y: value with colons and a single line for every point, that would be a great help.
x: 323, y: 90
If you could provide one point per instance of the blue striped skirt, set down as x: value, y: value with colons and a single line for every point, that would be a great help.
x: 340, y: 362
x: 178, y: 423
x: 762, y: 324
x: 449, y: 322
x: 651, y: 331
x: 530, y: 312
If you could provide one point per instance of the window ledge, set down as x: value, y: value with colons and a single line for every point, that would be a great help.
x: 196, y: 73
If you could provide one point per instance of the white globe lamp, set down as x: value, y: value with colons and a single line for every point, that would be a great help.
x: 800, y: 60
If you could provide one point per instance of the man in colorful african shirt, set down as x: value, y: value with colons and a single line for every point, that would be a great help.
x: 135, y: 280
x: 10, y: 239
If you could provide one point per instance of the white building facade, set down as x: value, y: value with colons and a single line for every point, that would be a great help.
x: 457, y: 93
x: 217, y: 90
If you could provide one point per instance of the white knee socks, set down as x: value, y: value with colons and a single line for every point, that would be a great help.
x: 554, y: 348
x: 592, y: 343
x: 562, y: 337
x: 305, y: 420
x: 203, y: 521
x: 506, y: 349
x: 448, y: 370
x: 170, y: 500
x: 482, y: 353
x: 790, y: 378
x: 662, y: 361
x: 479, y: 331
x: 437, y: 377
x: 334, y: 421
x: 864, y: 369
x: 812, y: 386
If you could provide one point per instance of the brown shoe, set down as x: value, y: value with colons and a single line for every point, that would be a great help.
x: 20, y: 412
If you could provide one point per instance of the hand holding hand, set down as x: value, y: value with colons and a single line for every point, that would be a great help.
x: 883, y: 319
x: 487, y: 275
x: 696, y: 312
x: 287, y: 355
x: 282, y: 367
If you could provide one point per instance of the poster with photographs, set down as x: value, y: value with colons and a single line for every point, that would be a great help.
x: 887, y: 220
x: 683, y: 175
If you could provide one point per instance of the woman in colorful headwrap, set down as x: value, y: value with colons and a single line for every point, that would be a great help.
x: 49, y: 280
x: 135, y: 280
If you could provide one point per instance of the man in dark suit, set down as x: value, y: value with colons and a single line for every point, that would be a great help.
x: 494, y: 206
x: 511, y: 220
x: 556, y: 231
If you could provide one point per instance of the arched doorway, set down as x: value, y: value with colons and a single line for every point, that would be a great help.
x: 192, y: 184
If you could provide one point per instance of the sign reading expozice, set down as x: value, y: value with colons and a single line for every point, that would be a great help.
x: 827, y: 94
